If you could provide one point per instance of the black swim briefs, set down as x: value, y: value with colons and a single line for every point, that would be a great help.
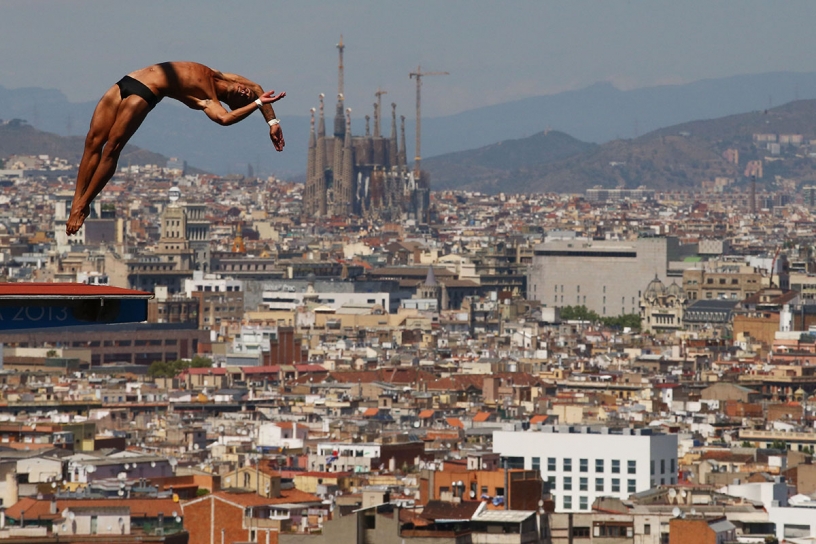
x: 128, y: 86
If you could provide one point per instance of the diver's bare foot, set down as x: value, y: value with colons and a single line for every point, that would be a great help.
x: 76, y: 219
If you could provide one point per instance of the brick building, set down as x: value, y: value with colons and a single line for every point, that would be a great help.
x: 230, y: 517
x: 699, y: 530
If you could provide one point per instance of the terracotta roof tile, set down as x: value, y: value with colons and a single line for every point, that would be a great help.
x: 34, y: 508
x: 455, y: 422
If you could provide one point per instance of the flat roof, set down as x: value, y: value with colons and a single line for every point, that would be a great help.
x: 503, y: 516
x: 23, y: 290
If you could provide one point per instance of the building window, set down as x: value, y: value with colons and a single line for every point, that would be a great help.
x: 631, y: 486
x: 567, y: 502
x: 584, y: 465
x: 615, y: 485
x: 631, y: 467
x: 599, y: 484
x: 583, y: 503
x: 567, y: 483
x: 651, y: 468
x: 551, y: 464
x: 615, y: 466
x: 662, y: 466
x: 550, y: 481
x: 536, y: 463
x: 567, y: 465
x: 647, y: 529
x: 583, y: 484
x: 599, y: 465
x: 580, y: 532
x: 671, y: 464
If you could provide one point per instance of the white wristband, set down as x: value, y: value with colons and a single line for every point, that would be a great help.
x: 273, y: 122
x: 258, y: 101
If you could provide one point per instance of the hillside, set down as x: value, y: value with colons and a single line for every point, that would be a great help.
x: 504, y: 162
x: 19, y: 138
x: 677, y: 157
x: 598, y: 113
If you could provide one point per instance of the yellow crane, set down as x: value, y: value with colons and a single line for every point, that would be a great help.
x: 419, y: 74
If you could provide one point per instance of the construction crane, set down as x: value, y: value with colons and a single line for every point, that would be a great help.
x: 419, y: 74
x: 378, y: 94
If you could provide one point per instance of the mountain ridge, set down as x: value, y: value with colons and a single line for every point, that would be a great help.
x: 598, y: 113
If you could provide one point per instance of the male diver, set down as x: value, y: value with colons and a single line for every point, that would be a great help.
x: 124, y: 106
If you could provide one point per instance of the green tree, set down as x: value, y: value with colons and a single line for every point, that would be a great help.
x: 779, y: 445
x: 579, y: 313
x: 200, y: 362
x: 623, y: 321
x: 171, y: 369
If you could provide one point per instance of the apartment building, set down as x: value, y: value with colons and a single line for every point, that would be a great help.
x: 584, y: 463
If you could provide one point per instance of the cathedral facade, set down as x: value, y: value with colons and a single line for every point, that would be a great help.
x: 362, y: 176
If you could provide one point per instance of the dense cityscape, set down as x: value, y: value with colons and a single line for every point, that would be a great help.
x: 360, y: 357
x: 617, y: 365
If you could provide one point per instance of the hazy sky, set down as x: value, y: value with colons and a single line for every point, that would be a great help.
x: 495, y: 51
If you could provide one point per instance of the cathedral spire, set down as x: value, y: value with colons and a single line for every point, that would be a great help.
x: 339, y: 120
x: 319, y: 196
x: 310, y: 163
x: 392, y: 142
x: 403, y: 153
x: 340, y: 47
x: 321, y: 126
x: 348, y: 169
x: 376, y: 120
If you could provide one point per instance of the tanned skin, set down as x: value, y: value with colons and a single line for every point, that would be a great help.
x: 115, y: 120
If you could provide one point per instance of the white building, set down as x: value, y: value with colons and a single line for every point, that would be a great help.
x: 211, y: 283
x: 608, y: 277
x: 583, y: 463
x: 287, y: 300
x: 282, y: 435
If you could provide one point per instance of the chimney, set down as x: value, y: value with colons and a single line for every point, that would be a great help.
x: 52, y: 509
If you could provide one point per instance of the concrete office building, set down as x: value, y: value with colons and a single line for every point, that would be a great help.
x: 584, y: 463
x: 606, y: 276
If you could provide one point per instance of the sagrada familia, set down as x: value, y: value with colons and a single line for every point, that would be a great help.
x: 363, y: 176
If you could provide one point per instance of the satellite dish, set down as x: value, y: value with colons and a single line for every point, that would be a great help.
x: 682, y: 492
x: 676, y: 512
x: 71, y: 516
x: 540, y: 502
x: 178, y: 519
x: 122, y: 476
x: 121, y: 492
x: 153, y: 464
x: 175, y: 514
x: 53, y: 485
x: 127, y: 466
x: 693, y: 511
x: 672, y: 492
x: 473, y: 495
x: 91, y: 469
